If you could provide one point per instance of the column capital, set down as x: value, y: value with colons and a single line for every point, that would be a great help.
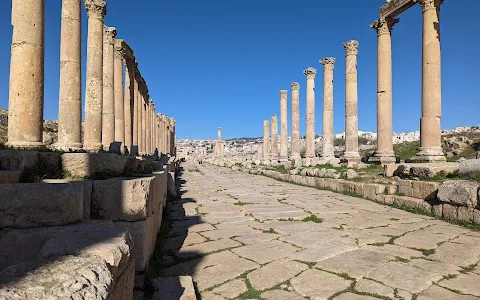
x: 283, y: 93
x: 328, y: 62
x: 274, y: 118
x: 351, y: 47
x: 109, y: 34
x: 310, y: 73
x: 119, y: 49
x: 384, y: 25
x: 430, y: 4
x: 96, y: 8
x: 295, y: 86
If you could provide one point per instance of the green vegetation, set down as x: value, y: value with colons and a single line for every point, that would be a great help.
x: 271, y: 230
x: 240, y: 203
x: 312, y: 218
x: 406, y: 150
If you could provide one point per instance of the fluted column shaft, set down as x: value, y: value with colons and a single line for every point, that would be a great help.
x: 108, y: 108
x: 430, y: 133
x: 96, y: 10
x: 274, y: 146
x: 295, y: 154
x: 351, y: 102
x: 128, y: 104
x: 25, y: 106
x: 310, y: 126
x: 384, y: 152
x: 135, y: 115
x: 70, y: 91
x: 139, y: 119
x: 327, y: 132
x: 118, y: 88
x: 143, y: 108
x: 147, y: 127
x: 283, y: 126
x: 266, y: 140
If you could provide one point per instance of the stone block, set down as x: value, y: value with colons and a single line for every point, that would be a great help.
x: 425, y: 190
x: 469, y: 166
x: 124, y: 199
x: 25, y: 205
x: 131, y: 165
x: 413, y: 203
x: 465, y: 214
x: 50, y: 163
x: 94, y: 164
x: 117, y: 148
x: 180, y: 288
x: 437, y: 210
x: 391, y: 189
x: 10, y: 176
x: 17, y: 160
x: 87, y: 192
x: 405, y: 187
x: 459, y: 192
x: 450, y: 211
x: 359, y: 188
x: 476, y: 216
x: 389, y: 170
x: 311, y: 181
x: 370, y: 191
x: 320, y: 183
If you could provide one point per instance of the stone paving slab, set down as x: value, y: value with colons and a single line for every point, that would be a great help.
x: 230, y: 225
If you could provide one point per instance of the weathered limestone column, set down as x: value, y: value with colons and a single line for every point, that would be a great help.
x: 143, y: 137
x: 220, y: 143
x: 430, y: 134
x: 70, y: 99
x: 266, y: 140
x: 172, y: 141
x: 384, y: 153
x: 118, y: 88
x: 139, y: 118
x: 351, y: 103
x: 129, y: 99
x: 108, y: 108
x: 274, y: 146
x: 96, y: 10
x: 310, y: 128
x: 295, y: 154
x: 25, y: 106
x: 135, y: 115
x: 162, y: 133
x: 283, y: 127
x: 327, y: 132
x: 169, y: 135
x: 147, y: 127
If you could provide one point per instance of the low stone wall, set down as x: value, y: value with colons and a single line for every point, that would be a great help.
x: 453, y: 200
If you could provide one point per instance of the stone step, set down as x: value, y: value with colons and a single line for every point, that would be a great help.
x: 173, y: 288
x: 10, y: 176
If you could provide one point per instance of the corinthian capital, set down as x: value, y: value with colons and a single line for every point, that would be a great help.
x: 351, y: 47
x: 119, y: 48
x: 328, y: 63
x: 295, y: 86
x: 96, y: 8
x: 384, y: 25
x: 310, y: 73
x: 430, y: 4
x: 283, y: 93
x: 109, y: 34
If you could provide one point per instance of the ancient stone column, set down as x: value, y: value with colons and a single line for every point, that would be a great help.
x: 135, y: 115
x: 143, y: 125
x: 295, y: 154
x: 139, y: 118
x: 96, y: 10
x: 430, y: 138
x: 70, y: 92
x: 310, y: 128
x: 274, y: 146
x: 351, y: 102
x: 25, y: 106
x: 266, y: 140
x: 220, y: 143
x: 283, y: 127
x: 118, y: 88
x: 128, y: 106
x: 384, y: 153
x: 327, y: 132
x: 108, y: 108
x: 147, y: 127
x: 172, y: 137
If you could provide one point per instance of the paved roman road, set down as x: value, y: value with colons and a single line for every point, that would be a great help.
x: 254, y: 245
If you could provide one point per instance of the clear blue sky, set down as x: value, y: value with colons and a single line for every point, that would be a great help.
x: 221, y: 63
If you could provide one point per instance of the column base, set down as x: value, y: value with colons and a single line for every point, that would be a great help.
x: 27, y: 145
x: 283, y: 159
x: 430, y: 154
x: 382, y: 158
x: 310, y: 161
x: 352, y: 158
x: 329, y: 160
x: 68, y: 147
x: 93, y: 147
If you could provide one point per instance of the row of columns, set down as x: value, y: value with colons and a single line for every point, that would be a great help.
x: 110, y: 115
x: 270, y: 152
x: 430, y: 133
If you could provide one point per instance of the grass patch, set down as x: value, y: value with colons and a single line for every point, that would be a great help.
x: 288, y: 220
x: 310, y: 264
x: 271, y: 230
x: 401, y: 259
x: 251, y: 292
x: 450, y: 276
x: 240, y: 203
x: 468, y: 269
x: 406, y: 150
x: 312, y: 218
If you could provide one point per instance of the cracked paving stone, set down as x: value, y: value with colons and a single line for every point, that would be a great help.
x: 207, y: 247
x: 281, y: 295
x: 370, y: 286
x: 266, y: 252
x: 274, y: 273
x: 437, y: 293
x: 318, y: 284
x: 352, y: 296
x: 231, y: 289
x: 464, y: 283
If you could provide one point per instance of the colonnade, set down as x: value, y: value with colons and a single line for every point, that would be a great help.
x: 116, y: 110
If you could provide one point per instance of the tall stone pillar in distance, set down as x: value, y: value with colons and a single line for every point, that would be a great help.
x: 351, y: 103
x: 139, y: 118
x: 283, y: 127
x: 310, y: 126
x: 128, y: 103
x: 384, y: 153
x: 143, y: 108
x: 220, y: 143
x: 327, y: 132
x: 108, y: 109
x: 430, y: 133
x: 118, y: 88
x: 266, y: 141
x: 274, y: 146
x: 96, y: 10
x: 147, y: 127
x: 25, y: 105
x: 135, y: 115
x: 70, y: 92
x: 295, y: 154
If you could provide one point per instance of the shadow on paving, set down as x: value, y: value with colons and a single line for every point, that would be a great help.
x: 167, y: 260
